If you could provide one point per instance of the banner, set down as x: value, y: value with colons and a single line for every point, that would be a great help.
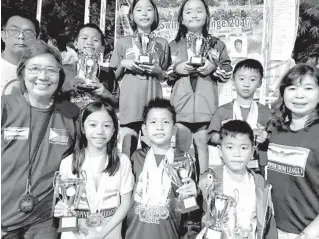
x: 239, y: 23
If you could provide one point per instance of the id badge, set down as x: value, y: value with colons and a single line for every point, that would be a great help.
x: 26, y: 203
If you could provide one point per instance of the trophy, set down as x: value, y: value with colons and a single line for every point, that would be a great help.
x: 221, y: 215
x: 197, y: 45
x: 146, y: 44
x: 177, y: 171
x: 70, y: 190
x: 87, y: 70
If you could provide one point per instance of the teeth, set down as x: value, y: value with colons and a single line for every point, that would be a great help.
x: 99, y: 139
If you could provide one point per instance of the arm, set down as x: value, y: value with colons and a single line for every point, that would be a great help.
x: 311, y: 230
x: 224, y: 68
x: 213, y: 128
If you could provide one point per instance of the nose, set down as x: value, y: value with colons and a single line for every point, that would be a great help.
x: 246, y: 83
x: 159, y: 126
x: 236, y: 151
x: 21, y: 35
x: 43, y: 75
x: 99, y: 129
x: 300, y: 93
x: 144, y: 12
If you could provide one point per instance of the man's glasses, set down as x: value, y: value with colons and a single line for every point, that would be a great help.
x: 28, y: 34
x: 52, y: 71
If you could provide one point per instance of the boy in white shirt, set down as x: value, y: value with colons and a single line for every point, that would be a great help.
x: 254, y: 207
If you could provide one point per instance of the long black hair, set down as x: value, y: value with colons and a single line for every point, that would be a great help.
x: 182, y: 30
x: 81, y: 141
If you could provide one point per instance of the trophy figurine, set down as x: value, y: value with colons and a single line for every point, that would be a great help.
x: 221, y: 215
x: 88, y: 66
x: 197, y: 47
x: 70, y: 190
x: 177, y: 171
x: 145, y: 45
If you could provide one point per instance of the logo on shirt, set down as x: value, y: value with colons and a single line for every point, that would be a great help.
x: 16, y: 133
x: 214, y: 53
x: 58, y: 136
x: 287, y: 159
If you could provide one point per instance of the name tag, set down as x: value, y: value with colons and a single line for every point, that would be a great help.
x: 16, y: 133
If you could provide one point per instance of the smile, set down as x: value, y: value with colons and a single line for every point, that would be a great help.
x: 159, y: 135
x: 98, y: 138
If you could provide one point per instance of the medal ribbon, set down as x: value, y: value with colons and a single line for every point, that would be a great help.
x: 252, y: 115
x: 138, y: 39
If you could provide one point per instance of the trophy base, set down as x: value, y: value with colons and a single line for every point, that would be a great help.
x: 186, y: 205
x: 145, y: 60
x: 86, y: 87
x: 196, y: 61
x: 212, y: 234
x: 68, y: 224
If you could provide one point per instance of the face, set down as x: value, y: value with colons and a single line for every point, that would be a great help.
x: 42, y: 84
x: 194, y: 15
x: 238, y: 46
x: 301, y: 99
x: 98, y: 129
x: 16, y: 41
x: 144, y: 15
x: 236, y: 150
x: 89, y: 41
x: 246, y: 82
x: 159, y: 127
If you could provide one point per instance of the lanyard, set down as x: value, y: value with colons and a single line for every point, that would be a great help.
x: 37, y: 146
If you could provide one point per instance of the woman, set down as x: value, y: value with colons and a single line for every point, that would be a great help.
x: 37, y: 131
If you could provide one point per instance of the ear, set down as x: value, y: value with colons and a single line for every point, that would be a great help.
x: 144, y: 129
x: 3, y: 36
x: 220, y: 150
x: 260, y: 83
x: 76, y: 44
x: 175, y: 130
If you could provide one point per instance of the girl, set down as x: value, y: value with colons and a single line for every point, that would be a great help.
x: 293, y: 154
x: 194, y: 94
x: 140, y: 83
x: 107, y: 172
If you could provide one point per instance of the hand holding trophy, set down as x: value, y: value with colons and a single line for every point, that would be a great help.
x: 178, y: 171
x: 70, y: 190
x: 88, y: 66
x: 197, y: 45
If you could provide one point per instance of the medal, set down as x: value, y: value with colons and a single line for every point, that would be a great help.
x: 94, y: 220
x: 26, y: 203
x: 151, y: 214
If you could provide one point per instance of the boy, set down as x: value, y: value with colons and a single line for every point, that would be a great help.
x: 254, y: 207
x: 247, y: 78
x: 153, y: 214
x: 90, y: 40
x: 19, y: 30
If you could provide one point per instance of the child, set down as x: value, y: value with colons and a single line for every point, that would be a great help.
x: 140, y: 83
x: 153, y: 214
x: 254, y: 206
x: 194, y: 93
x: 90, y: 40
x: 293, y: 154
x: 247, y: 78
x: 96, y: 153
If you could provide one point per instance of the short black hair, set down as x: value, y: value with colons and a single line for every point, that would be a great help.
x: 159, y: 103
x: 235, y: 127
x: 156, y: 16
x: 22, y: 14
x: 238, y: 41
x: 94, y: 26
x: 250, y: 64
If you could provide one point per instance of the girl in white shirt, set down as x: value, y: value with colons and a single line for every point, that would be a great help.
x: 109, y: 178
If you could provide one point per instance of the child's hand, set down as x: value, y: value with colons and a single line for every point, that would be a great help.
x: 188, y: 189
x: 153, y: 70
x: 201, y: 234
x: 60, y: 209
x: 99, y: 90
x: 184, y: 68
x: 261, y: 135
x: 207, y: 68
x: 132, y: 66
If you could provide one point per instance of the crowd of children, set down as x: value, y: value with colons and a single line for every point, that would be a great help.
x: 272, y: 195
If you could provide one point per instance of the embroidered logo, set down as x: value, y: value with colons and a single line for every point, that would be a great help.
x: 287, y: 159
x: 214, y: 53
x: 58, y: 136
x: 16, y: 133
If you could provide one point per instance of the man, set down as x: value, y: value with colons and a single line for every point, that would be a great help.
x: 238, y: 45
x: 18, y: 31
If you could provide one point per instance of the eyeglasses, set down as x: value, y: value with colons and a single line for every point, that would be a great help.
x: 52, y: 71
x: 28, y: 34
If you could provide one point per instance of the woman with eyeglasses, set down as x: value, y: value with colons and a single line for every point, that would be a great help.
x: 37, y: 131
